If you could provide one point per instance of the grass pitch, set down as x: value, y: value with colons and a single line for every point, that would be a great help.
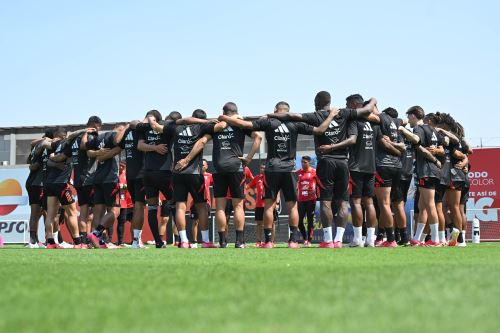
x: 251, y: 290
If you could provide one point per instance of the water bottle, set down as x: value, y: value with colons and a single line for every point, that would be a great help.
x: 476, y: 239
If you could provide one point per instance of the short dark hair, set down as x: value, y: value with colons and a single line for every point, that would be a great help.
x: 392, y: 112
x: 417, y: 111
x: 174, y: 115
x: 355, y: 98
x: 322, y: 99
x: 49, y: 134
x: 94, y: 120
x: 200, y: 114
x: 307, y: 158
x: 59, y: 131
x: 155, y: 113
x: 230, y: 108
x: 204, y: 160
x: 282, y: 103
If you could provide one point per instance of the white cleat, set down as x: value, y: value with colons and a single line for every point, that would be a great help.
x: 136, y: 245
x: 194, y: 245
x: 464, y: 244
x: 357, y: 243
x: 32, y: 246
x: 65, y: 245
x: 370, y: 244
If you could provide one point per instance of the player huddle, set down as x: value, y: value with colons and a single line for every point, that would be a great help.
x: 364, y: 156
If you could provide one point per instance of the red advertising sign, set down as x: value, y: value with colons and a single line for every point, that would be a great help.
x: 484, y: 195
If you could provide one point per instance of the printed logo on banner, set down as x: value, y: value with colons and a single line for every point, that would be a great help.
x: 11, y: 196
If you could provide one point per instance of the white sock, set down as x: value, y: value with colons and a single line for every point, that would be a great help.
x: 205, y: 236
x: 370, y: 235
x: 463, y: 235
x: 423, y: 237
x: 327, y: 235
x: 340, y: 234
x: 183, y: 236
x: 137, y: 235
x: 442, y: 236
x: 434, y: 232
x: 358, y: 234
x: 55, y: 235
x: 419, y: 231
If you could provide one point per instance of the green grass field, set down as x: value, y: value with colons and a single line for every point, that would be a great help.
x: 251, y: 290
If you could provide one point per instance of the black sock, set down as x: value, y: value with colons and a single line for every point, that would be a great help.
x: 268, y: 235
x: 302, y: 229
x: 222, y: 237
x: 153, y: 223
x: 33, y: 237
x: 364, y: 229
x: 460, y: 238
x: 177, y: 238
x: 59, y: 237
x: 240, y: 237
x: 390, y: 234
x: 310, y: 234
x: 427, y: 238
x: 381, y: 233
x: 397, y: 236
x: 77, y: 240
x: 50, y: 241
x: 293, y: 234
x: 404, y: 236
x: 100, y: 228
x: 83, y: 236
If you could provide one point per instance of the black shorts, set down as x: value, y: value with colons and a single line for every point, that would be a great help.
x: 362, y: 184
x: 44, y: 199
x: 194, y: 212
x: 387, y: 177
x: 428, y: 182
x: 188, y: 183
x: 107, y: 194
x: 85, y: 195
x: 286, y: 182
x: 167, y: 208
x: 333, y: 179
x: 259, y: 214
x: 416, y: 199
x: 439, y: 194
x: 234, y: 182
x: 464, y: 196
x: 62, y: 192
x: 136, y: 190
x: 35, y: 195
x: 400, y: 193
x: 156, y: 181
x: 457, y: 185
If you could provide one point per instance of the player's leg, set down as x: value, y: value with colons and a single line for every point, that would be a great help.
x: 452, y: 197
x: 259, y: 229
x: 52, y: 209
x: 356, y: 181
x: 341, y: 198
x: 301, y: 206
x: 220, y: 218
x: 324, y: 172
x: 310, y: 210
x: 427, y: 193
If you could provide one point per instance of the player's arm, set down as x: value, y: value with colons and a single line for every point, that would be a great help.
x: 257, y: 139
x: 120, y: 135
x: 452, y: 137
x: 58, y: 158
x: 155, y: 125
x: 286, y: 116
x: 427, y: 155
x: 251, y: 184
x: 412, y: 137
x: 436, y: 151
x: 321, y: 129
x: 197, y: 148
x: 459, y: 155
x: 366, y: 110
x: 387, y: 146
x: 238, y: 122
x: 220, y: 126
x: 195, y: 121
x: 75, y: 134
x: 109, y: 153
x: 161, y: 149
x: 462, y: 164
x: 351, y: 140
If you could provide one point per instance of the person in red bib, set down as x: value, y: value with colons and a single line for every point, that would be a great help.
x: 306, y: 190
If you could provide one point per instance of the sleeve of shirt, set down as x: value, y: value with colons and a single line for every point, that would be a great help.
x: 377, y: 134
x: 352, y: 128
x: 67, y: 148
x: 261, y: 124
x: 303, y: 128
x: 248, y: 132
x: 350, y: 114
x: 420, y: 133
x: 207, y: 129
x: 111, y: 139
x: 248, y: 173
x: 143, y: 127
x: 311, y: 118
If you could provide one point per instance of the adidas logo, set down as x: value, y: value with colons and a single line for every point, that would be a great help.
x: 368, y: 127
x: 129, y: 137
x: 282, y: 129
x: 228, y: 129
x: 75, y: 145
x: 186, y: 132
x: 333, y: 124
x: 393, y: 126
x: 434, y: 137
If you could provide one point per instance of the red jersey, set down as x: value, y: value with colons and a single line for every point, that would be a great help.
x: 258, y: 183
x: 306, y: 184
x: 125, y: 198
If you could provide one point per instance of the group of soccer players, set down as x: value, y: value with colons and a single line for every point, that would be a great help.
x: 365, y: 157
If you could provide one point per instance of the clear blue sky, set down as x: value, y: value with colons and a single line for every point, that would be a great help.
x: 62, y: 61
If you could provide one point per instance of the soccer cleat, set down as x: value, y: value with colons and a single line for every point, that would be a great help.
x: 306, y: 244
x: 65, y: 245
x: 433, y: 244
x: 267, y: 245
x: 80, y: 247
x: 403, y: 243
x: 326, y: 245
x: 160, y: 245
x: 258, y: 244
x: 240, y: 246
x: 32, y: 246
x: 94, y: 240
x: 54, y: 246
x: 358, y: 243
x: 222, y: 245
x: 379, y: 242
x: 454, y: 236
x: 293, y: 245
x: 194, y: 245
x: 184, y: 245
x: 208, y: 245
x: 389, y: 244
x: 337, y: 244
x: 415, y: 243
x: 370, y: 244
x: 150, y: 242
x: 463, y: 244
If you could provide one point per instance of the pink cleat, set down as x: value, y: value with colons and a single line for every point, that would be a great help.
x: 258, y: 244
x: 389, y: 244
x: 433, y: 244
x: 293, y: 245
x: 268, y: 245
x: 54, y: 246
x: 94, y: 240
x: 337, y: 244
x: 415, y: 243
x: 208, y: 245
x: 378, y: 243
x: 80, y: 246
x: 307, y: 244
x: 326, y: 245
x: 185, y: 245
